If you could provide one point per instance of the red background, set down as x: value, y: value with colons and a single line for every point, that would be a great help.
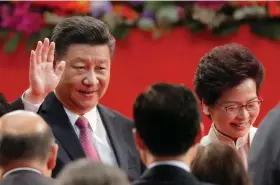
x: 140, y: 61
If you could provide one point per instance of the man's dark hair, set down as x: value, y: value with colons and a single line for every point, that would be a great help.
x: 225, y: 67
x: 4, y: 105
x: 81, y: 30
x: 167, y: 118
x: 33, y: 146
x: 86, y: 172
x: 219, y: 163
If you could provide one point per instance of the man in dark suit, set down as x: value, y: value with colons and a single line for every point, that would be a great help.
x: 167, y: 121
x: 28, y: 150
x: 82, y: 127
x: 264, y: 154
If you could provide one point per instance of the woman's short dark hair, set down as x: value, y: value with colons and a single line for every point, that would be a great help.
x: 225, y: 67
x: 219, y: 163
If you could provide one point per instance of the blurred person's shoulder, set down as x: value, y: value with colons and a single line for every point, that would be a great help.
x: 270, y: 125
x: 27, y: 178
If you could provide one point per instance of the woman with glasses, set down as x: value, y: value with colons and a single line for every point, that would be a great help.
x: 227, y: 82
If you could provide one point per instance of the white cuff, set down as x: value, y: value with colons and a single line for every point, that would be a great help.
x: 30, y: 106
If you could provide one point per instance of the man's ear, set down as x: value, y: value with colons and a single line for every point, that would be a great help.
x: 138, y: 140
x: 52, y: 157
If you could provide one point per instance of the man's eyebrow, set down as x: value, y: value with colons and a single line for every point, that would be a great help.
x: 80, y: 59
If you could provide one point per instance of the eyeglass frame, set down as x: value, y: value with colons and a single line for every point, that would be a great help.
x: 260, y: 101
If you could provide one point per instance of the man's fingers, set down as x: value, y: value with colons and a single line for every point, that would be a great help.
x: 39, y: 52
x: 45, y: 50
x: 51, y: 52
x: 32, y: 62
x: 60, y: 68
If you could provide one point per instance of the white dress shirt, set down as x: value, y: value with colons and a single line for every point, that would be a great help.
x: 99, y: 135
x: 241, y: 145
x: 21, y: 169
x: 176, y: 163
x: 100, y: 138
x: 29, y: 106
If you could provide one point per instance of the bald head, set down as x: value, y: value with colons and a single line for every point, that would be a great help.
x: 24, y: 136
x: 22, y: 123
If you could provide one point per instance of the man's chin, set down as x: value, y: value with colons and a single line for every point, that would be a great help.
x: 87, y: 106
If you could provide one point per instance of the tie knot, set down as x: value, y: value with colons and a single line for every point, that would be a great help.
x: 82, y: 122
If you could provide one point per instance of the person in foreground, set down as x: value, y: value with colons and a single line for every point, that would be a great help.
x: 219, y: 163
x: 167, y: 122
x: 264, y: 154
x: 28, y: 150
x: 227, y: 82
x: 86, y: 172
x: 81, y: 50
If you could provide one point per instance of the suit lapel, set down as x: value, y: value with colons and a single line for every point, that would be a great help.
x: 114, y: 131
x: 53, y: 112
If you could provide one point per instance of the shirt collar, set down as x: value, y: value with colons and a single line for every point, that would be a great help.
x: 217, y: 135
x: 21, y: 169
x: 176, y: 163
x: 91, y: 116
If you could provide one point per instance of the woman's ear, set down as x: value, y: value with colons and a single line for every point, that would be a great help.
x: 205, y: 108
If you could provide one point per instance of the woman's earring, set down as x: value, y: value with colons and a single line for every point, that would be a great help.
x: 205, y: 110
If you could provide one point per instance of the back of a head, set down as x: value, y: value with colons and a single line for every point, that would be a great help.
x: 24, y: 136
x: 219, y: 163
x: 4, y: 105
x: 167, y: 118
x: 81, y: 30
x: 85, y: 172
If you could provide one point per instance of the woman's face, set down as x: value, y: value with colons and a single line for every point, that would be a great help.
x: 228, y: 115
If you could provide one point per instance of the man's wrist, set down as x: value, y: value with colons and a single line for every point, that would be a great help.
x: 32, y: 97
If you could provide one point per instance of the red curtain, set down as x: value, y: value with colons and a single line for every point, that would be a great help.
x: 140, y: 61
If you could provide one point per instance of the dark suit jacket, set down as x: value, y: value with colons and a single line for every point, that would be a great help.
x: 25, y: 177
x: 118, y: 127
x: 167, y: 175
x: 264, y: 154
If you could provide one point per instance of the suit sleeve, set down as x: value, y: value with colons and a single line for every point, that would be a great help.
x: 275, y: 171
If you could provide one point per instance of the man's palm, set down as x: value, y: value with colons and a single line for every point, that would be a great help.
x: 43, y: 76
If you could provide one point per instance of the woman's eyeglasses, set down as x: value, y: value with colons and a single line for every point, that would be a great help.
x: 235, y: 109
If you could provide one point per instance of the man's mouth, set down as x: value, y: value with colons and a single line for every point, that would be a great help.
x: 86, y: 93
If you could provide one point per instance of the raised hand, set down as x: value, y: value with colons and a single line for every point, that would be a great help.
x: 43, y: 77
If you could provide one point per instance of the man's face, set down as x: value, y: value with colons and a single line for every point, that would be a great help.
x: 85, y: 78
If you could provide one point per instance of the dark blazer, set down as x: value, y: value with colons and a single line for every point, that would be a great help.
x: 25, y: 177
x: 264, y: 154
x: 118, y: 127
x: 167, y: 175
